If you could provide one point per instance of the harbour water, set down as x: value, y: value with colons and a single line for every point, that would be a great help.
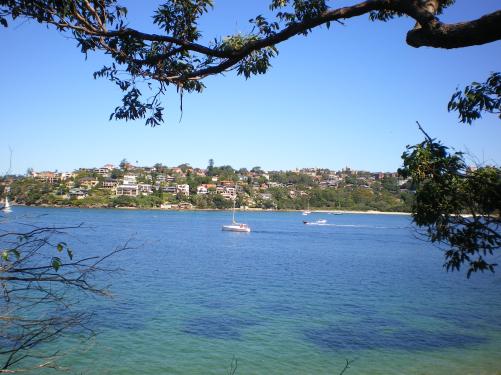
x: 287, y: 298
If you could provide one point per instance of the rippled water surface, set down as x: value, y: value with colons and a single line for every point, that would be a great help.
x: 285, y: 299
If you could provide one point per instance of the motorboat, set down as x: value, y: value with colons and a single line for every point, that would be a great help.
x: 317, y: 222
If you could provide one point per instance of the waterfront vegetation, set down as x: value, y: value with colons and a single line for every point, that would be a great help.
x: 214, y: 188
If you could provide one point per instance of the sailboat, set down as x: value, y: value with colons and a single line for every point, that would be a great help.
x: 6, y: 206
x: 307, y: 212
x: 234, y: 226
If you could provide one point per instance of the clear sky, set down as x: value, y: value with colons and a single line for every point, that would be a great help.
x: 348, y: 96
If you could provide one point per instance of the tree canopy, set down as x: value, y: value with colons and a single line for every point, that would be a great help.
x: 174, y: 56
x: 458, y: 206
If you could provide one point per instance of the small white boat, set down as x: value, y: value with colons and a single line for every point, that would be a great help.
x: 6, y: 206
x: 234, y: 226
x: 321, y: 221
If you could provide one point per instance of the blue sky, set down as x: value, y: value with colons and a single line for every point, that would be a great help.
x: 348, y: 96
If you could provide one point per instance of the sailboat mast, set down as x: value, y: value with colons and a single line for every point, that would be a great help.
x: 234, y: 199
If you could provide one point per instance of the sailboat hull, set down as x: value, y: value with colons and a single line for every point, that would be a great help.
x: 6, y: 207
x: 236, y: 228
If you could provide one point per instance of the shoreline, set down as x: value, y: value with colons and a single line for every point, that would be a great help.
x: 320, y: 211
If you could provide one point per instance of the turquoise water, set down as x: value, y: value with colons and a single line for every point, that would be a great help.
x: 284, y: 299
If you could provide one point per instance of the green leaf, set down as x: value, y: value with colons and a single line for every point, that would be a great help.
x: 5, y: 255
x: 59, y: 247
x: 56, y: 263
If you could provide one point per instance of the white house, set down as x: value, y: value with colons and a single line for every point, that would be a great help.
x: 129, y: 179
x: 183, y: 189
x: 201, y: 189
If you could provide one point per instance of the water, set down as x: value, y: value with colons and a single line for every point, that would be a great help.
x: 285, y: 299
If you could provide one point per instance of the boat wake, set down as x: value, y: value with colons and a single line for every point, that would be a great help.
x: 353, y: 226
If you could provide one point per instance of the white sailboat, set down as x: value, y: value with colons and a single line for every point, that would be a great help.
x: 6, y: 206
x: 307, y: 212
x: 234, y: 226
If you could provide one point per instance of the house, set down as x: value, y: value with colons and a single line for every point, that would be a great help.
x: 129, y: 179
x: 49, y: 177
x: 202, y: 189
x: 265, y: 196
x: 65, y: 175
x: 78, y: 193
x: 128, y: 190
x: 228, y: 192
x: 169, y: 189
x: 183, y: 189
x: 177, y: 170
x: 145, y: 189
x: 88, y: 182
x: 103, y: 171
x: 199, y: 172
x: 109, y: 183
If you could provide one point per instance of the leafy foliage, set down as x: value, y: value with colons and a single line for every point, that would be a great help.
x: 388, y: 14
x: 144, y: 65
x: 458, y: 206
x: 478, y: 98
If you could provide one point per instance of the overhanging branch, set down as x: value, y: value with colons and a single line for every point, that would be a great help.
x: 484, y: 30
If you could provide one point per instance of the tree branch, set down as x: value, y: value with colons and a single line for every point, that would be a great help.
x: 484, y: 30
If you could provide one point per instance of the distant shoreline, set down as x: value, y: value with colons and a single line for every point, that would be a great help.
x: 321, y: 211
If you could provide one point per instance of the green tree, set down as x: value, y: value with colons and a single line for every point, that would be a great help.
x: 123, y: 164
x: 210, y: 168
x: 458, y: 207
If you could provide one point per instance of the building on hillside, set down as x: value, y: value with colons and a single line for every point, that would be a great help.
x: 202, y: 189
x: 104, y: 171
x: 129, y: 179
x: 183, y: 189
x: 110, y: 183
x: 88, y: 182
x: 78, y: 193
x: 65, y: 175
x: 227, y: 192
x: 48, y: 177
x: 145, y: 189
x: 199, y: 172
x: 128, y: 190
x: 170, y: 189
